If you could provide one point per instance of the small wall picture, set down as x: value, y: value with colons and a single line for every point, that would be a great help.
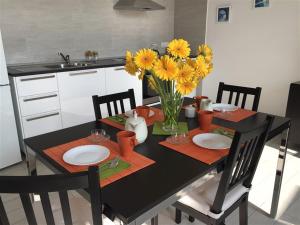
x: 223, y: 14
x: 261, y: 3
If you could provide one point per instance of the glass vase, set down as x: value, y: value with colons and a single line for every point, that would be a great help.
x: 171, y: 106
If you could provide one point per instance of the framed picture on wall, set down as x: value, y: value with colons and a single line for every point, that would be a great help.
x: 261, y: 3
x: 223, y: 14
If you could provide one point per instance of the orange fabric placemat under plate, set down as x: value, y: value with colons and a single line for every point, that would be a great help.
x: 136, y: 161
x: 208, y: 156
x: 158, y: 116
x: 235, y: 116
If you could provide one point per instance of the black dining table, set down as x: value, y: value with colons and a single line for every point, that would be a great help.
x: 143, y: 194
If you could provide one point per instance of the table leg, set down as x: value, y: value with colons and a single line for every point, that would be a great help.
x: 279, y: 172
x: 31, y: 169
x: 154, y: 220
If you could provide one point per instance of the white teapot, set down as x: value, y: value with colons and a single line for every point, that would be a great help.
x: 137, y: 125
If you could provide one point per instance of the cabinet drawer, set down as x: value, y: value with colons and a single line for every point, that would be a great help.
x: 41, y: 124
x: 36, y: 84
x: 83, y: 83
x: 36, y: 104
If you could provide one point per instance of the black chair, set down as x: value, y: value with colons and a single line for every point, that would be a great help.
x: 113, y: 98
x: 239, y: 90
x: 213, y: 201
x: 42, y: 185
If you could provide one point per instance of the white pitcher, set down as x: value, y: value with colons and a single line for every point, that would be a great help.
x: 137, y: 125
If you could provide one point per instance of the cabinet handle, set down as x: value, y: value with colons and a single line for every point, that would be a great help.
x: 41, y: 117
x: 119, y: 68
x: 37, y: 78
x: 39, y: 98
x: 83, y: 73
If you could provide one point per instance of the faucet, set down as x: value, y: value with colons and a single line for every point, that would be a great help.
x: 65, y: 58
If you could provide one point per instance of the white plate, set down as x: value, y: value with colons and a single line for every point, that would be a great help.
x: 212, y: 141
x: 86, y: 155
x: 130, y: 113
x: 224, y: 107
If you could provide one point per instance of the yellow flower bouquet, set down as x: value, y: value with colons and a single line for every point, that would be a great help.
x: 172, y: 75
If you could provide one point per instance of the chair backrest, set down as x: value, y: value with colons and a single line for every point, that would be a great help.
x: 239, y: 90
x: 42, y: 185
x: 242, y: 160
x: 113, y: 98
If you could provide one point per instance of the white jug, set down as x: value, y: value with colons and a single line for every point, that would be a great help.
x: 137, y: 125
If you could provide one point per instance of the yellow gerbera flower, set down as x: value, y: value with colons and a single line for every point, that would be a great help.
x: 166, y: 68
x: 131, y: 68
x: 145, y: 59
x: 179, y: 48
x: 206, y: 52
x: 185, y: 73
x: 185, y: 88
x: 201, y: 66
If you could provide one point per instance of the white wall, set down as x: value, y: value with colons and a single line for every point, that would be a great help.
x: 259, y: 47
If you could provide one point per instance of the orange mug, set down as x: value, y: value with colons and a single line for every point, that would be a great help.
x: 198, y: 100
x: 127, y: 141
x: 205, y: 119
x: 143, y: 111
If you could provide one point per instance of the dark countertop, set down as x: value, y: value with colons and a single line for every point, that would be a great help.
x: 43, y: 68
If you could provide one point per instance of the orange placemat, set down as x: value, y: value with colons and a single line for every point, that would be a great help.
x: 136, y: 161
x: 158, y: 116
x: 204, y: 155
x: 235, y: 116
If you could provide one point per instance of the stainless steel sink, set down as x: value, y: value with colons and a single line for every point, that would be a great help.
x: 64, y: 65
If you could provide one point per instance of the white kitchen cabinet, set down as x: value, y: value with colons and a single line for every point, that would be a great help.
x: 41, y: 123
x: 76, y: 89
x: 118, y: 80
x: 35, y: 104
x: 36, y: 84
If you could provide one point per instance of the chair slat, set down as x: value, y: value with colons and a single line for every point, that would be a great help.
x: 3, y: 215
x: 26, y: 202
x: 116, y: 107
x: 47, y: 208
x: 230, y: 97
x: 122, y: 106
x: 244, y: 101
x: 65, y: 206
x: 109, y: 109
x: 237, y: 98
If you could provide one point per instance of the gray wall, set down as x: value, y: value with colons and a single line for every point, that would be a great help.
x: 190, y: 21
x: 35, y: 30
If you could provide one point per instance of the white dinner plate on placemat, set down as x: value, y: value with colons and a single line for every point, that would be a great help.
x: 86, y: 155
x: 130, y: 113
x: 224, y: 107
x: 212, y: 141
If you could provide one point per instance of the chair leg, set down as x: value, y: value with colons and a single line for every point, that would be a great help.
x: 191, y: 219
x: 243, y: 211
x: 178, y: 215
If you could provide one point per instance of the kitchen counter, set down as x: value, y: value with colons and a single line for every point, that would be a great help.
x: 32, y: 69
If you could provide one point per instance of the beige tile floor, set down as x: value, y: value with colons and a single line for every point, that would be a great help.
x: 260, y: 196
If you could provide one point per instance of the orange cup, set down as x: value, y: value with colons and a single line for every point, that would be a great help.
x: 205, y: 119
x: 127, y: 141
x: 143, y: 111
x: 198, y: 100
